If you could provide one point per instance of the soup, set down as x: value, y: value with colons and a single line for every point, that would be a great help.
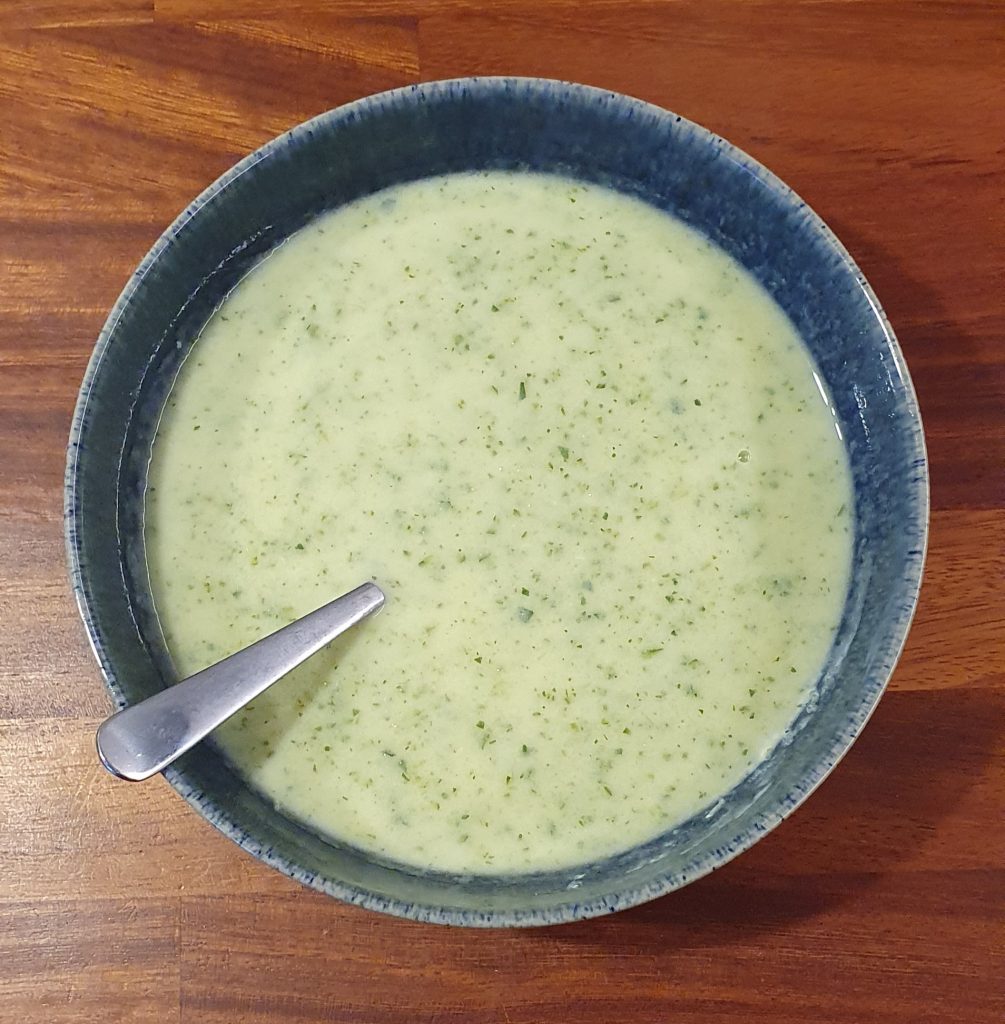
x: 589, y: 461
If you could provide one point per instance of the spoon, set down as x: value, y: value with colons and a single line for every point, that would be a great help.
x: 145, y: 738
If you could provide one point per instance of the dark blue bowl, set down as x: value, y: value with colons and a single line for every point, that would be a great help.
x: 513, y: 124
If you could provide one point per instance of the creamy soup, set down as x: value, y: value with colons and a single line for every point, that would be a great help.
x: 587, y: 458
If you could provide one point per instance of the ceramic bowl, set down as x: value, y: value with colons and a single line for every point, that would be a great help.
x: 514, y: 124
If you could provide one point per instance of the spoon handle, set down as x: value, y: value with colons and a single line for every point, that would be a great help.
x: 144, y: 739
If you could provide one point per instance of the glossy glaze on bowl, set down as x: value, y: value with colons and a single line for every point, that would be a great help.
x: 513, y: 124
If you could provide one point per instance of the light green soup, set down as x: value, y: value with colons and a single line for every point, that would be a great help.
x: 586, y: 457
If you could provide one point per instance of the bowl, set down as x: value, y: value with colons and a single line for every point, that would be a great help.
x: 500, y: 123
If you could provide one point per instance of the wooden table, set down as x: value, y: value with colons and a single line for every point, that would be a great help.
x: 883, y: 899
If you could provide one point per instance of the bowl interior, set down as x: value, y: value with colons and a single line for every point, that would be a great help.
x: 504, y: 124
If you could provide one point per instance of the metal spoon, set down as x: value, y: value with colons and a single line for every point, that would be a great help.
x: 144, y: 739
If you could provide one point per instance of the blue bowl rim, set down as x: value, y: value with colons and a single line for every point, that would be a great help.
x: 873, y: 686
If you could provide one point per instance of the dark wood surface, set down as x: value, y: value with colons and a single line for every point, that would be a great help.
x: 883, y: 899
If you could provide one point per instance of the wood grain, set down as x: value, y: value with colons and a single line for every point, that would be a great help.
x: 883, y: 898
